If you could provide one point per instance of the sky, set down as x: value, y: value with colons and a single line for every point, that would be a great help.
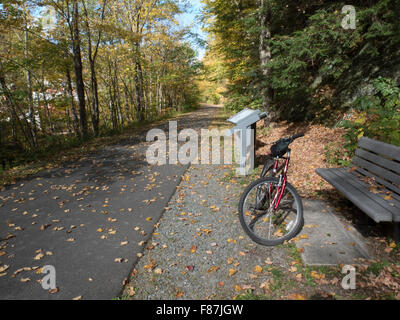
x: 191, y: 19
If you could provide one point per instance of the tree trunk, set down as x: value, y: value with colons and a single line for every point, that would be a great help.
x: 12, y: 108
x: 265, y: 57
x: 31, y: 113
x: 73, y: 108
x: 80, y: 87
x: 95, y: 99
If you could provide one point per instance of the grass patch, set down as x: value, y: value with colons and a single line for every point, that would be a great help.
x: 377, y: 267
x: 250, y: 295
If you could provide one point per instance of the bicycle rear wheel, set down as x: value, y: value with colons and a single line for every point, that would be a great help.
x: 263, y: 224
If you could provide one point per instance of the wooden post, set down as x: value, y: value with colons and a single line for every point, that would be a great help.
x: 396, y: 233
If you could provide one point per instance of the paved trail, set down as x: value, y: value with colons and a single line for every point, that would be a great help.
x: 89, y: 219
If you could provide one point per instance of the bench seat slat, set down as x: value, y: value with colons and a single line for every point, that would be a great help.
x: 383, y: 162
x: 360, y: 199
x: 376, y: 170
x: 385, y: 149
x: 351, y: 178
x: 388, y: 185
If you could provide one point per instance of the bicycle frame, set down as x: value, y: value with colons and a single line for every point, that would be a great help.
x: 283, y: 169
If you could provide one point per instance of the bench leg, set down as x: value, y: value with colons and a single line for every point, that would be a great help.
x: 396, y: 234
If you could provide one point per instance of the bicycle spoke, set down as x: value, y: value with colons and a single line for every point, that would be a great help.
x: 262, y: 219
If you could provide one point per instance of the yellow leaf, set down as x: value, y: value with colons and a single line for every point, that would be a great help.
x: 292, y: 269
x: 237, y: 288
x: 38, y: 256
x: 213, y: 269
x: 296, y: 296
x: 232, y: 272
x: 258, y: 269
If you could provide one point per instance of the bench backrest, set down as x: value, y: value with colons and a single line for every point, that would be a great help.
x: 381, y: 161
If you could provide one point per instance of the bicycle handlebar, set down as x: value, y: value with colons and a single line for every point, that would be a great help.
x: 290, y: 139
x: 298, y: 135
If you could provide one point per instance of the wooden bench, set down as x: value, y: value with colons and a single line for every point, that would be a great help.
x: 372, y: 182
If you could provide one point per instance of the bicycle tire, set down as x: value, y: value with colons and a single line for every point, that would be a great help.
x: 299, y: 220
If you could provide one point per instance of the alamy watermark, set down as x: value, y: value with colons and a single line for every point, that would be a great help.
x: 349, y: 280
x: 349, y: 21
x: 195, y: 148
x: 49, y: 280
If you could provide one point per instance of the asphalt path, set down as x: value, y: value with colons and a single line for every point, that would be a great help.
x: 88, y: 219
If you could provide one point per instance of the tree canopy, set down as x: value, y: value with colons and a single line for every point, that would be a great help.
x: 80, y: 68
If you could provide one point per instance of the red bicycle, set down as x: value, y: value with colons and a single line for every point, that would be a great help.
x: 270, y: 208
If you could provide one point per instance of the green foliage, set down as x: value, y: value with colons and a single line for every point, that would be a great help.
x: 377, y: 116
x: 335, y: 154
x: 238, y: 102
x: 311, y: 54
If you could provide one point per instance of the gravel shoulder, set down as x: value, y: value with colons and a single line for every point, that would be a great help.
x: 199, y: 251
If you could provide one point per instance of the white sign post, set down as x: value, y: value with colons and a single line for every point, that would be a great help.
x: 244, y: 132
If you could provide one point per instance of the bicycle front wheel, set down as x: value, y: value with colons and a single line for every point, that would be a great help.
x: 261, y: 222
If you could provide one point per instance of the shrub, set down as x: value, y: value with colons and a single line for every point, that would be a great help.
x: 375, y: 116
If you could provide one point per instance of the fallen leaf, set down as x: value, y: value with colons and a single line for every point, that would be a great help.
x: 352, y: 169
x: 131, y: 292
x: 158, y: 271
x: 213, y: 269
x: 190, y: 268
x: 296, y: 296
x: 258, y: 269
x: 38, y: 256
x: 237, y: 288
x: 388, y: 249
x: 55, y: 290
x: 232, y: 272
x: 4, y: 268
x: 77, y: 298
x: 265, y: 285
x: 292, y: 269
